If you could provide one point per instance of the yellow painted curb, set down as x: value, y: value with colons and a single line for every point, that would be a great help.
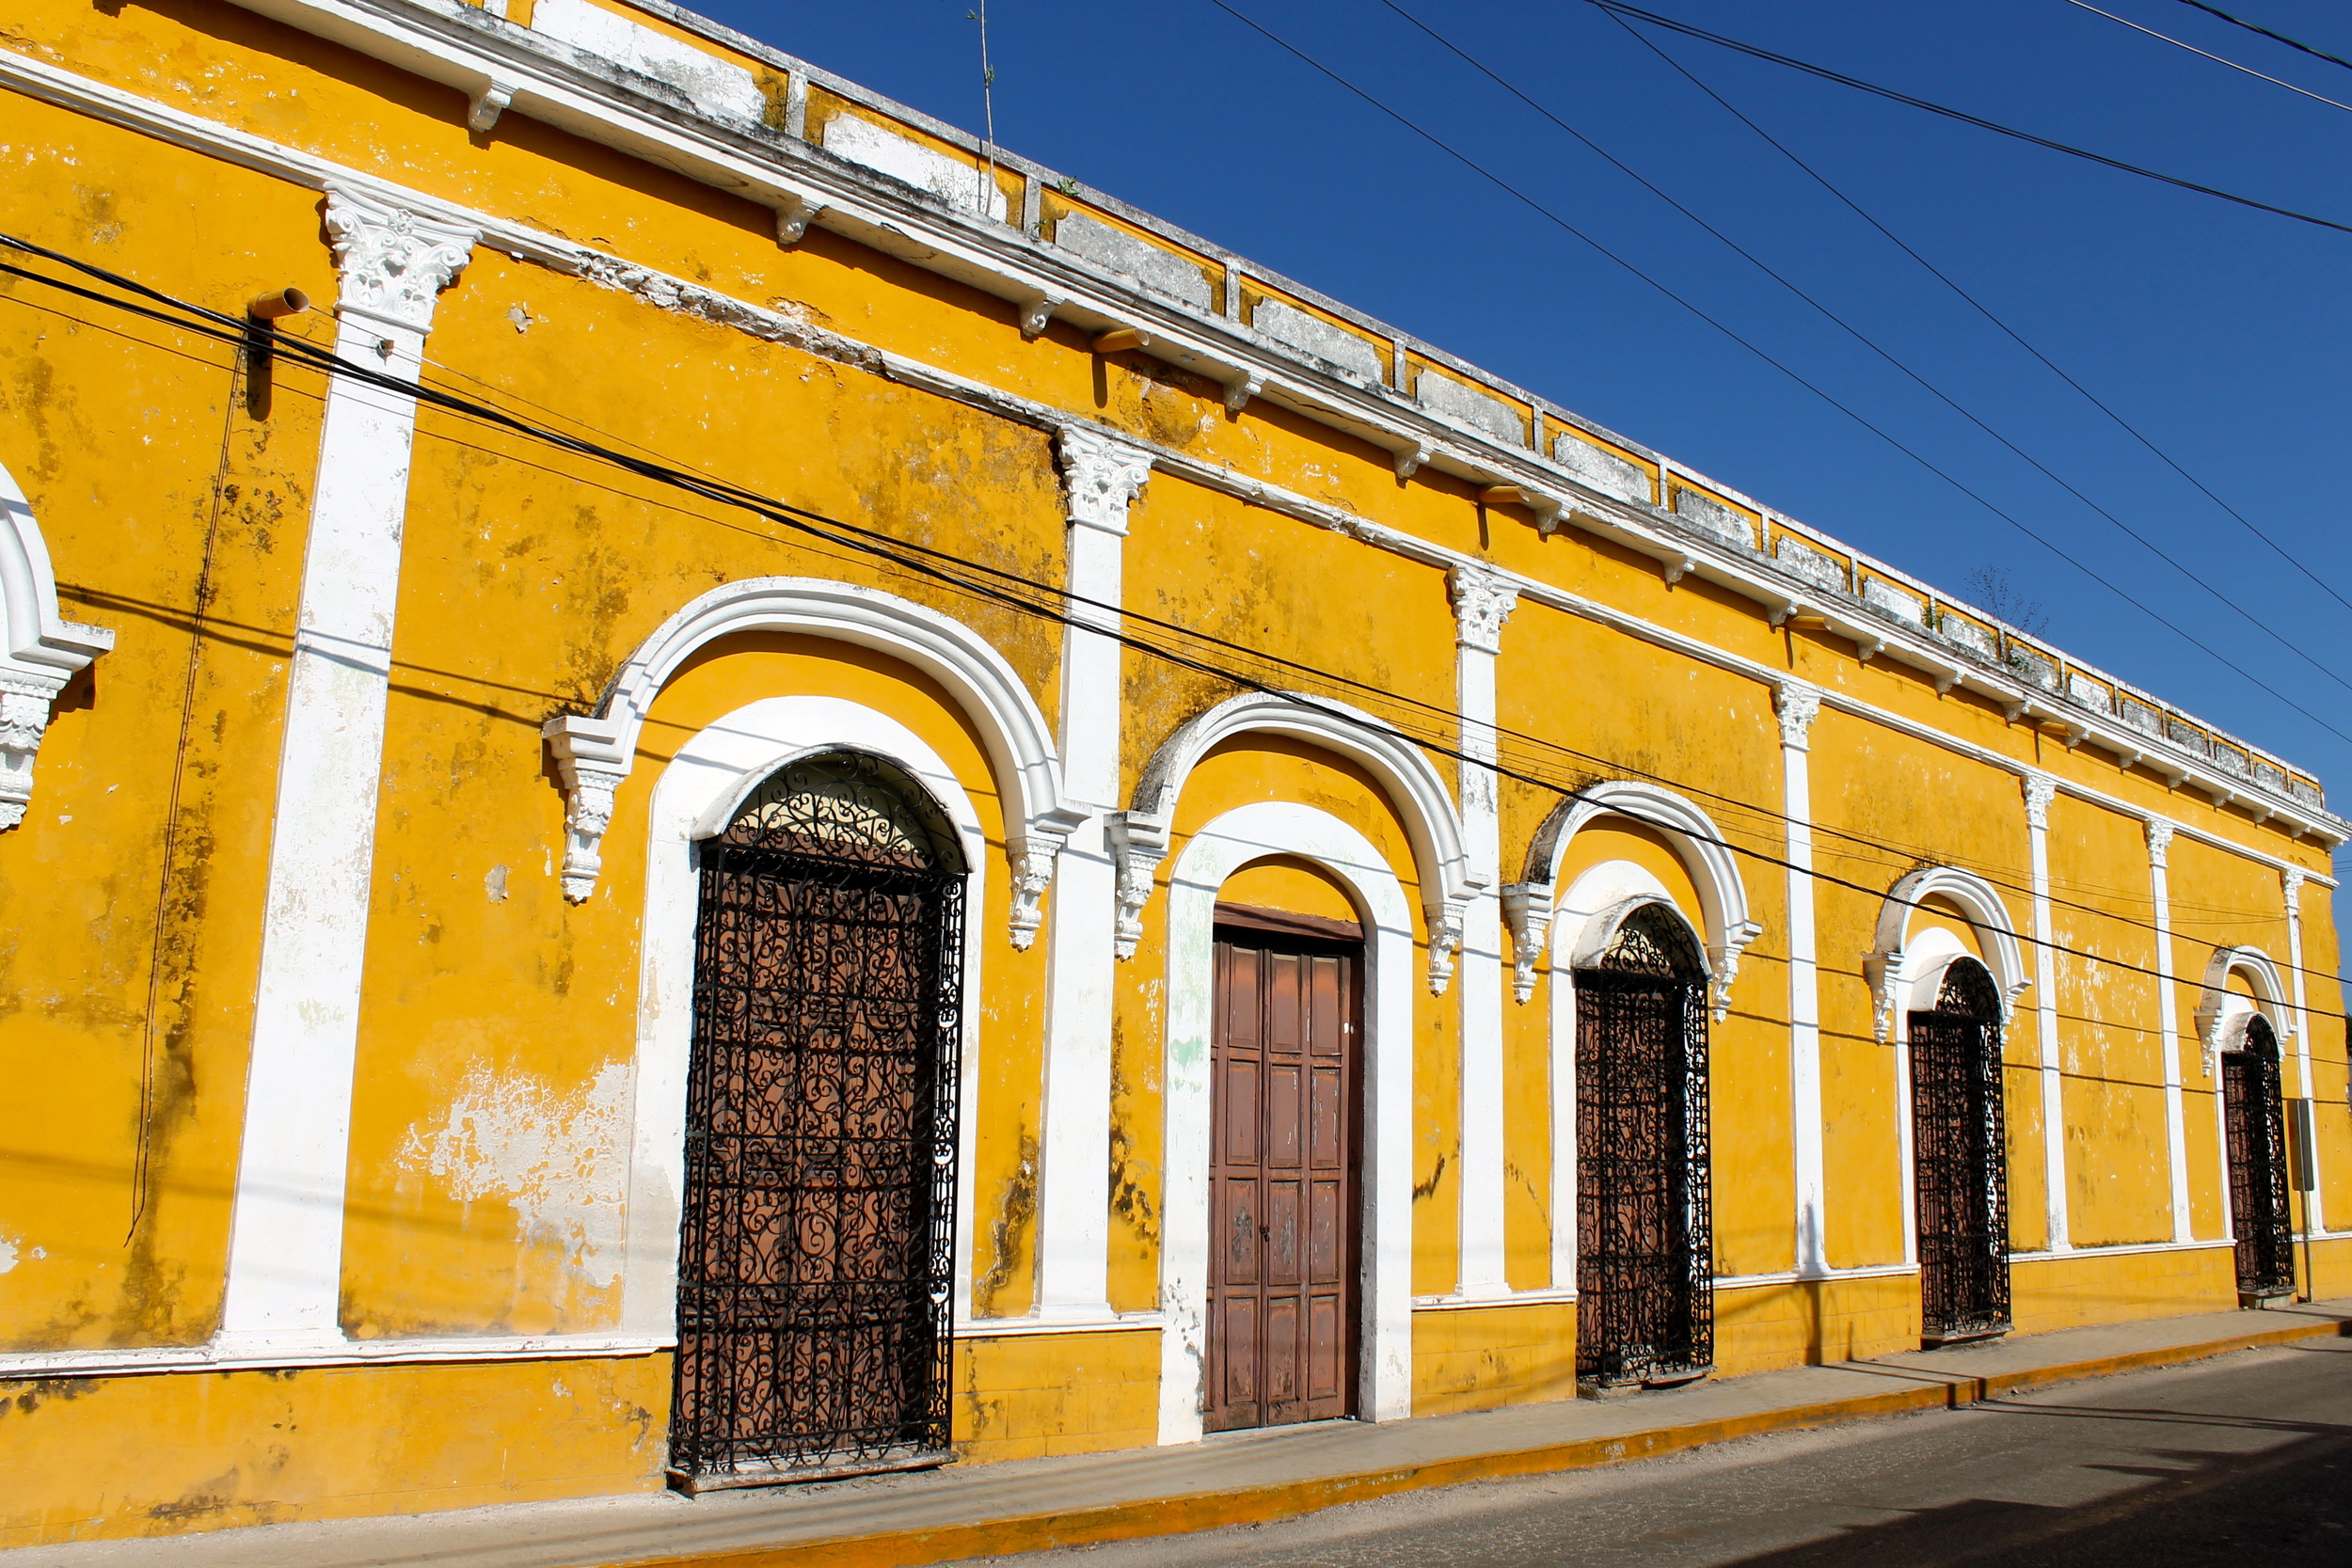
x: 1141, y: 1518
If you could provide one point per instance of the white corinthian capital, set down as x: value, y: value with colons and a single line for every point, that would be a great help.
x: 394, y: 263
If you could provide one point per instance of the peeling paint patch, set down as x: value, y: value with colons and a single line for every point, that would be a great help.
x: 559, y: 1157
x: 7, y: 1252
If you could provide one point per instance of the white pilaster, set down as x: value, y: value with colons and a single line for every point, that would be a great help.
x: 2168, y: 1023
x: 1797, y: 703
x: 286, y: 1230
x: 1101, y: 477
x: 1481, y: 602
x: 2314, y: 1220
x: 2040, y: 790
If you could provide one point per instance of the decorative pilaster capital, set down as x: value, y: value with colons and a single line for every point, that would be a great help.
x: 2040, y: 789
x: 1482, y: 600
x: 2292, y: 879
x: 1723, y: 957
x: 1138, y: 844
x: 590, y: 762
x: 394, y: 263
x: 2159, y: 840
x: 1527, y: 910
x: 1445, y: 939
x: 1796, y: 704
x: 1033, y: 863
x: 1101, y: 477
x: 23, y: 719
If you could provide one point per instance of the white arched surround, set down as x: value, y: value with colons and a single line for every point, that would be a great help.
x: 695, y: 799
x: 594, y: 753
x: 1402, y: 769
x: 1721, y: 921
x: 1585, y: 921
x: 1904, y: 971
x: 1384, y: 1386
x: 2222, y: 1014
x: 39, y: 649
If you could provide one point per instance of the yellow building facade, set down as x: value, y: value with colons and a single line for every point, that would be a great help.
x: 784, y: 796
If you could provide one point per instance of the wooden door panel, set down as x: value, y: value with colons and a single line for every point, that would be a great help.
x: 1282, y: 1285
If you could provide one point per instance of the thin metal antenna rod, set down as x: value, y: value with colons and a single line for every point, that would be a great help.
x: 988, y: 109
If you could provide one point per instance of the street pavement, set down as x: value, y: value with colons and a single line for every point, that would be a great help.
x: 2242, y: 1460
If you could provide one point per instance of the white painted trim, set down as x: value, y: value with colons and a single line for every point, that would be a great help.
x: 1385, y: 1390
x: 2215, y: 1009
x: 1101, y: 478
x: 1514, y: 1298
x: 596, y: 753
x: 39, y: 649
x: 1481, y: 605
x: 1025, y: 1328
x: 712, y: 770
x: 2125, y: 1250
x: 51, y: 84
x: 257, y: 1355
x: 1796, y: 705
x: 2159, y: 838
x: 1897, y: 968
x: 1752, y: 1281
x: 2039, y: 790
x: 1723, y: 926
x: 286, y: 1221
x: 1414, y: 786
x: 2315, y: 1215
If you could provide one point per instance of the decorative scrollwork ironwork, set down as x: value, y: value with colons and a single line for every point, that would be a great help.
x: 2255, y: 1115
x: 1959, y: 1157
x: 1646, y: 1308
x: 817, y: 1245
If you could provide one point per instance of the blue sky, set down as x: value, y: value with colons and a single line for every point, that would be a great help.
x: 2217, y: 331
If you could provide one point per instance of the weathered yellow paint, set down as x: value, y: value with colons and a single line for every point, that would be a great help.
x: 101, y: 1458
x: 490, y: 1137
x: 1288, y: 883
x: 1485, y: 1357
x: 1029, y: 1395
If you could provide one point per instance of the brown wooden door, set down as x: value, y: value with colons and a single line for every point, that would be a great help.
x: 1284, y: 1210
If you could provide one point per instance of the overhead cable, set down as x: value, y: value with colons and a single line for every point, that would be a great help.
x: 1552, y: 216
x: 2197, y: 579
x: 2167, y: 37
x: 2253, y: 27
x: 1024, y: 595
x: 1655, y: 20
x: 1986, y: 312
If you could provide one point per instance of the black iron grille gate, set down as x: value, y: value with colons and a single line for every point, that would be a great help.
x: 1958, y: 1145
x: 819, y: 1236
x: 1645, y: 1269
x: 2256, y: 1118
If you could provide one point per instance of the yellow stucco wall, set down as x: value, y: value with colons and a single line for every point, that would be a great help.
x: 490, y: 1137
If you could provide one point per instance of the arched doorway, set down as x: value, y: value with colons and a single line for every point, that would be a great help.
x: 817, y: 1247
x: 2254, y: 1118
x: 1286, y: 1133
x: 1645, y: 1227
x: 1960, y: 1172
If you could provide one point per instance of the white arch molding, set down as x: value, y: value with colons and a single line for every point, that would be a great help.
x: 594, y: 753
x: 2222, y: 1014
x: 1404, y: 770
x: 1904, y: 972
x: 39, y: 649
x: 695, y: 799
x: 1723, y: 924
x: 1384, y: 1386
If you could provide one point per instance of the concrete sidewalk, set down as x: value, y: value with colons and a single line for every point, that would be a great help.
x: 982, y: 1510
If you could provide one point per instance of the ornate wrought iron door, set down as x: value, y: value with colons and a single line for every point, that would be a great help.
x: 1959, y: 1148
x: 1645, y: 1262
x: 2255, y: 1115
x: 1284, y: 1207
x: 819, y: 1236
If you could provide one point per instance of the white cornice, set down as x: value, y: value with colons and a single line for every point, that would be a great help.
x: 1751, y: 577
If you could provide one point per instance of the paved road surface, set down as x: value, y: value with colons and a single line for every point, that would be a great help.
x: 2244, y: 1461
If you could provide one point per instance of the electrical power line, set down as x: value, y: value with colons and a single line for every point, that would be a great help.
x: 1024, y: 595
x: 2195, y: 578
x: 1984, y: 310
x: 1552, y: 216
x: 1964, y: 116
x: 2281, y: 38
x: 2167, y: 37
